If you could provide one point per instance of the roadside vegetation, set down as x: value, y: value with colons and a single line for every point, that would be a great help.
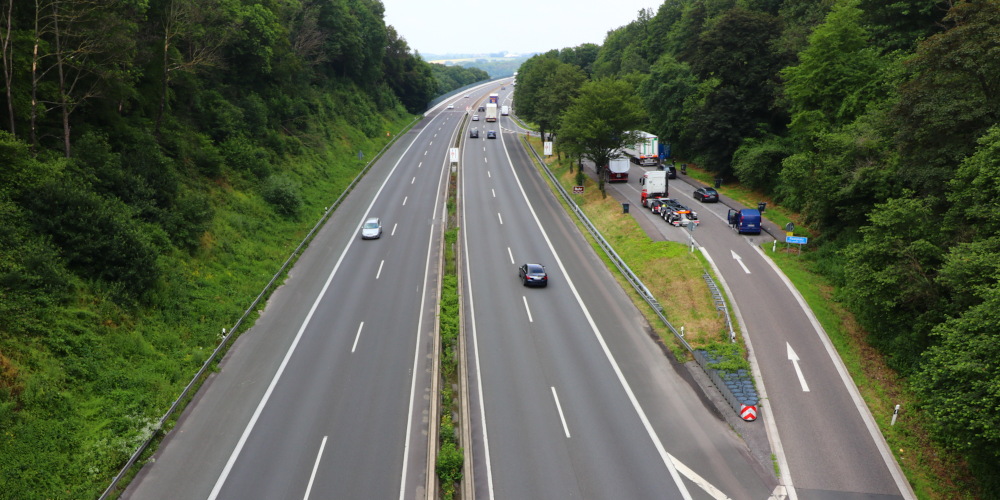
x: 161, y: 160
x: 875, y: 123
x: 668, y: 269
x: 450, y: 457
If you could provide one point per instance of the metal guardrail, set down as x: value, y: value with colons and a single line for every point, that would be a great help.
x: 626, y: 271
x: 253, y: 305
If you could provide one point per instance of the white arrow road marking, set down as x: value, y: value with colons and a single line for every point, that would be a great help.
x: 794, y: 358
x: 739, y: 260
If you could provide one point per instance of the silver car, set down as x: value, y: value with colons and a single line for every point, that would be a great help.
x: 371, y: 229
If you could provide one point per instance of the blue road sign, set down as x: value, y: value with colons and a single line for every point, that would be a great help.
x: 800, y: 240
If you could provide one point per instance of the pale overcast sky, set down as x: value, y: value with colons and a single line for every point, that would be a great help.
x: 519, y: 26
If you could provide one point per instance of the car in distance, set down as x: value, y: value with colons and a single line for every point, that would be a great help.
x: 371, y: 229
x: 466, y: 96
x: 706, y: 195
x: 533, y: 275
x: 475, y: 118
x: 451, y: 106
x: 474, y: 133
x: 482, y: 109
x: 491, y: 134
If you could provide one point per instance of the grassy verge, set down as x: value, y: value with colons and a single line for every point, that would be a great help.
x: 935, y: 473
x: 668, y: 269
x: 450, y: 456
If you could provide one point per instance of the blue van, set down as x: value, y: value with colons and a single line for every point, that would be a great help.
x: 745, y: 221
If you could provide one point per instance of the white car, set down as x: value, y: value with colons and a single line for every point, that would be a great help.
x: 475, y: 118
x: 451, y: 106
x: 371, y: 229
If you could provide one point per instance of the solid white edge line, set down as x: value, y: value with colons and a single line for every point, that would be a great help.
x: 298, y: 336
x: 420, y: 322
x: 312, y: 477
x: 475, y: 348
x: 379, y: 273
x: 527, y: 309
x: 859, y: 403
x: 600, y: 338
x: 357, y: 336
x: 763, y: 410
x: 560, y: 410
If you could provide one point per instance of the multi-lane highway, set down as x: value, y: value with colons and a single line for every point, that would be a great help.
x: 571, y: 397
x: 328, y: 394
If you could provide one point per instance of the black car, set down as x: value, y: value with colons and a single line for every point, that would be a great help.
x: 474, y: 133
x: 671, y: 171
x: 533, y: 275
x: 491, y: 134
x: 482, y: 109
x: 706, y: 195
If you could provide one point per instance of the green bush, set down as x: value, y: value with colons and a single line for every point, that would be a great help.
x: 243, y: 155
x: 283, y: 193
x: 449, y: 468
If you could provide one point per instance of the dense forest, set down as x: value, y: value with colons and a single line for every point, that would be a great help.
x: 877, y: 122
x: 159, y: 159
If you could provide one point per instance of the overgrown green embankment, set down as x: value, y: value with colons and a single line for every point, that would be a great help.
x: 90, y: 372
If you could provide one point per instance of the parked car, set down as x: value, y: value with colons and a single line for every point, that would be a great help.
x: 491, y: 134
x: 671, y: 171
x: 474, y: 133
x: 533, y: 275
x: 706, y: 195
x: 371, y: 229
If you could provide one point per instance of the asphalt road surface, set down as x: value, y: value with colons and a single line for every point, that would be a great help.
x: 571, y: 397
x: 327, y: 396
x: 832, y: 449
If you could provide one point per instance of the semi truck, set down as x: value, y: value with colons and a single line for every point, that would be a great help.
x: 495, y: 99
x: 617, y: 170
x: 491, y: 112
x: 646, y: 151
x: 654, y: 185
